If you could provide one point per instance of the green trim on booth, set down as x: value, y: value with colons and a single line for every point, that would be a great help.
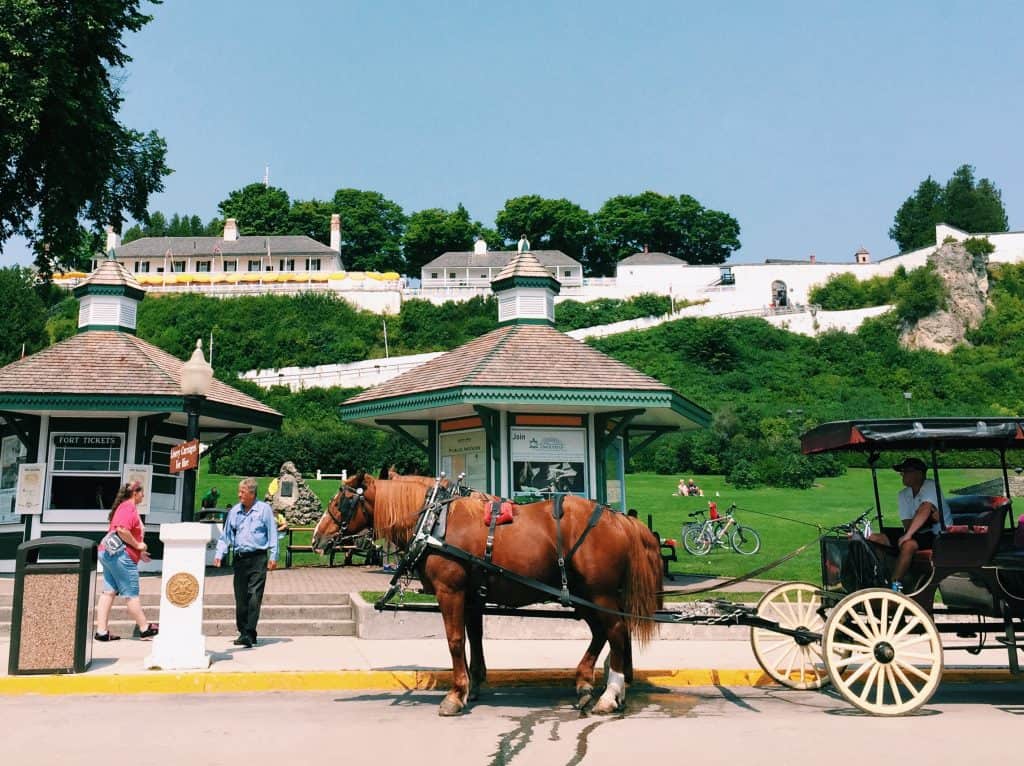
x: 508, y: 283
x: 114, y: 327
x: 9, y: 542
x: 125, y: 290
x: 526, y: 320
x: 137, y: 403
x: 491, y: 421
x: 489, y: 395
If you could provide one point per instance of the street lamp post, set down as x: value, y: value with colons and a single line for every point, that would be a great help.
x: 907, y: 395
x: 196, y: 375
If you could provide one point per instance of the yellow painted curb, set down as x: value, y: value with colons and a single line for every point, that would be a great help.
x: 386, y: 680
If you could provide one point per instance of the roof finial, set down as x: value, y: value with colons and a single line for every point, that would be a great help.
x: 524, y: 244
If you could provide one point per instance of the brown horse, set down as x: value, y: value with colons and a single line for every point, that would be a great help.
x: 617, y: 567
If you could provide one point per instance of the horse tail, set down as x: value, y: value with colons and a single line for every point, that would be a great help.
x: 642, y: 588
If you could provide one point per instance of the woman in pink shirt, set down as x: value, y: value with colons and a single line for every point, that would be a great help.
x: 121, y: 569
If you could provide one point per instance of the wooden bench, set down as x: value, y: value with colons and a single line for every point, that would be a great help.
x: 291, y: 547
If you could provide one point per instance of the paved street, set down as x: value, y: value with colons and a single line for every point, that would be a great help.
x: 520, y: 727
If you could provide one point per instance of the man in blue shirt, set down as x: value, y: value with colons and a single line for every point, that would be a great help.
x: 251, y: 531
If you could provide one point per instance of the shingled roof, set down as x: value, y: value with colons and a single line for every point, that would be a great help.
x: 652, y: 259
x: 532, y: 363
x: 116, y: 367
x: 497, y: 259
x: 180, y: 247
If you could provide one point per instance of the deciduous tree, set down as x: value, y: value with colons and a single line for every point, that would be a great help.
x: 64, y: 157
x: 371, y: 230
x: 258, y: 209
x: 434, y: 231
x: 23, y: 320
x: 549, y: 224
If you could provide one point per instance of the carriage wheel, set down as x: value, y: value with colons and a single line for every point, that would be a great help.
x: 882, y: 652
x: 792, y: 662
x: 745, y: 540
x: 696, y: 542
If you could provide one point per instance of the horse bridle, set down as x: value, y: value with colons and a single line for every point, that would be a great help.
x: 351, y: 500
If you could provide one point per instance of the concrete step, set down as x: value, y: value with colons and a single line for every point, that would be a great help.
x: 266, y: 627
x: 267, y: 612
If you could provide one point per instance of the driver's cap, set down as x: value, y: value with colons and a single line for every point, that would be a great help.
x: 910, y: 464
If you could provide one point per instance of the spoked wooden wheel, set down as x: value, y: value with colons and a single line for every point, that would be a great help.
x: 796, y: 663
x: 882, y: 652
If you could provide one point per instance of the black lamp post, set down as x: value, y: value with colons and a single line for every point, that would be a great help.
x: 196, y: 375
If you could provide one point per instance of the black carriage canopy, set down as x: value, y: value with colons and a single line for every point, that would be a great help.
x: 914, y: 434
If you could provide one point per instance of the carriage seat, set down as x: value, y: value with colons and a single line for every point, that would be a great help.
x: 973, y: 538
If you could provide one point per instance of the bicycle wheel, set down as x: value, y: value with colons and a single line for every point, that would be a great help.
x: 696, y: 542
x: 745, y: 540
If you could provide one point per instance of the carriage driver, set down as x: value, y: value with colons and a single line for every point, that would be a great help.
x: 918, y: 506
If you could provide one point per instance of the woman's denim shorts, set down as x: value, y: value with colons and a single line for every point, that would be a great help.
x: 120, y: 574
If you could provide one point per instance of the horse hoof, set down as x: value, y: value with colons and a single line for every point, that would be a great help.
x: 449, y: 708
x: 604, y: 707
x: 584, y: 696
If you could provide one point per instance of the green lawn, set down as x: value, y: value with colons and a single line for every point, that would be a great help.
x: 830, y: 502
x: 776, y: 514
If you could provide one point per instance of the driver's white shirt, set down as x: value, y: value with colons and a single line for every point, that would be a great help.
x: 909, y: 503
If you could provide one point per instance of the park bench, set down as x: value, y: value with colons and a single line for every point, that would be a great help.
x: 360, y: 546
x: 668, y: 549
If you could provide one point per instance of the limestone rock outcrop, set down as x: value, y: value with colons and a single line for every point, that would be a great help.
x: 966, y: 280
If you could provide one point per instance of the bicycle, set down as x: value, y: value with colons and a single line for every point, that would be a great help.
x: 711, y: 533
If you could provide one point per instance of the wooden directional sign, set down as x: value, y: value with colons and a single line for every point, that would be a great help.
x: 185, y: 456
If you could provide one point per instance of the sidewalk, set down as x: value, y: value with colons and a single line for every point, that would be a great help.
x: 315, y: 663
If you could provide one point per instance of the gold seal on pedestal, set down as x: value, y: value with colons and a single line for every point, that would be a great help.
x: 182, y: 589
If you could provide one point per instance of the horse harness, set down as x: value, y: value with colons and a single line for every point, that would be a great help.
x: 430, y: 533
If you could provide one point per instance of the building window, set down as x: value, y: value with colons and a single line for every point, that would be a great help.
x: 164, y: 482
x: 143, y: 266
x: 203, y: 267
x: 312, y: 264
x: 230, y: 265
x: 286, y: 264
x: 451, y: 275
x: 254, y: 265
x: 178, y: 267
x: 12, y: 454
x: 566, y: 273
x: 85, y: 470
x: 433, y: 275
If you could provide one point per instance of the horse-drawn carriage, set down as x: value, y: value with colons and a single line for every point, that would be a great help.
x: 880, y: 648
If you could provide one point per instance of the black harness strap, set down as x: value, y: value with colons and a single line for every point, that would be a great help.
x: 557, y: 512
x: 594, y: 518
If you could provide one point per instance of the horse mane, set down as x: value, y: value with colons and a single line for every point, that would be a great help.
x: 395, y: 501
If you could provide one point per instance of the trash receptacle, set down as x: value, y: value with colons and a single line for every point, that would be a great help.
x: 51, y: 621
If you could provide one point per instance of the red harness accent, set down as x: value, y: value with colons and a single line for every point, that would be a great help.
x: 503, y: 509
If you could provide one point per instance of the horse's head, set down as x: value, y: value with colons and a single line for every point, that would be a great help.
x: 349, y: 511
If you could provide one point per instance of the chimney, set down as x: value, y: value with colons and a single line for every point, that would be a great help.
x: 113, y: 239
x: 814, y: 258
x: 230, y: 230
x: 335, y: 232
x: 480, y: 246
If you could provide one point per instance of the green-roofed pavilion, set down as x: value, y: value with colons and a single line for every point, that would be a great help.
x: 526, y: 407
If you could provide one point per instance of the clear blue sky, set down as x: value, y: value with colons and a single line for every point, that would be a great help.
x: 810, y: 122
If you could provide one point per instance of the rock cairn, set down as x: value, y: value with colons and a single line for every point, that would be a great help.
x: 306, y: 509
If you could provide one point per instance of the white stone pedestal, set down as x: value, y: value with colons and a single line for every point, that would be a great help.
x: 181, y: 645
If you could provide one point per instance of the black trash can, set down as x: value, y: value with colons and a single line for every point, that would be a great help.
x: 51, y: 622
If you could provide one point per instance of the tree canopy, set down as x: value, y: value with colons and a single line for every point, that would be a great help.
x: 258, y: 209
x: 974, y: 207
x: 434, y: 231
x: 177, y: 225
x: 371, y: 230
x: 550, y: 224
x: 65, y: 156
x: 23, y: 320
x: 679, y: 226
